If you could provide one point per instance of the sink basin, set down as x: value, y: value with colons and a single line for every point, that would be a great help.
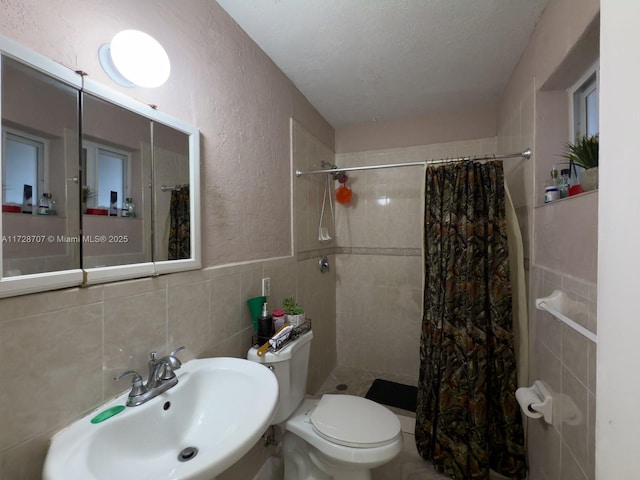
x: 196, y: 430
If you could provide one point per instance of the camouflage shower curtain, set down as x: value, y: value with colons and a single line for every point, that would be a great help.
x: 179, y: 225
x: 468, y: 420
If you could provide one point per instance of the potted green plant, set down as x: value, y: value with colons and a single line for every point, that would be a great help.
x: 584, y: 153
x: 294, y: 313
x: 87, y: 194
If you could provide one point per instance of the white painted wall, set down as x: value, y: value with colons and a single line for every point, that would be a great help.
x: 618, y: 422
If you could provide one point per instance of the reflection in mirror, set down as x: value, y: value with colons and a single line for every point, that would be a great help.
x: 116, y: 174
x: 84, y: 196
x: 40, y: 212
x: 172, y: 226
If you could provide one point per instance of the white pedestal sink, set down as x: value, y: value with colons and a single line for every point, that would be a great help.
x: 196, y: 430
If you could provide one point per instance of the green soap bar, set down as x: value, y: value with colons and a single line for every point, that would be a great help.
x: 107, y: 414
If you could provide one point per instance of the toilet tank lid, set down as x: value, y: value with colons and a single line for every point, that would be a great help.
x: 285, y: 353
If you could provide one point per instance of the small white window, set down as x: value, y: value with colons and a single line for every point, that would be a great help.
x: 105, y: 170
x: 585, y: 105
x: 23, y: 166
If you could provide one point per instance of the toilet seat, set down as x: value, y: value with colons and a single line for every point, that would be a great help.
x: 322, y: 446
x: 354, y: 422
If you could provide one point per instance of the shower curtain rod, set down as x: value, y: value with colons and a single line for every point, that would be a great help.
x: 526, y: 154
x: 171, y: 188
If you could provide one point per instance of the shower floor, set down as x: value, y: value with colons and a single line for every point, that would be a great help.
x: 408, y: 465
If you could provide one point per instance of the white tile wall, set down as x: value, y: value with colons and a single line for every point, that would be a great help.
x: 379, y: 282
x: 565, y: 360
x: 560, y: 245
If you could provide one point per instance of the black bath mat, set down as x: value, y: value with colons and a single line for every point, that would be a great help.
x: 393, y: 394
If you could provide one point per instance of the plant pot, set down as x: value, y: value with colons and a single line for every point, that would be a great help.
x: 589, y: 179
x: 295, y: 320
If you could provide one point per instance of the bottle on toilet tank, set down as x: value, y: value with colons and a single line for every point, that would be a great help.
x: 278, y: 319
x: 265, y: 325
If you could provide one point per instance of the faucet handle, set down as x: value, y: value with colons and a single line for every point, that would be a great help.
x: 171, y: 363
x: 136, y: 376
x: 177, y: 350
x: 137, y: 386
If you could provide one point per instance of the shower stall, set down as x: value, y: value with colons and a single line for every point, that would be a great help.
x: 377, y: 248
x: 376, y: 244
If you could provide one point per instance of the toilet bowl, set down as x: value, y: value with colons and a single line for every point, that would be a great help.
x: 344, y: 436
x: 339, y: 437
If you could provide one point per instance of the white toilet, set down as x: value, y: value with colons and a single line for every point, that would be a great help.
x: 339, y: 437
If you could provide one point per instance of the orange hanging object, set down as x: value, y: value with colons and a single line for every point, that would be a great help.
x: 343, y: 194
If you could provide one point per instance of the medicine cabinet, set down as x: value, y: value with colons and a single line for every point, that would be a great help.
x: 96, y: 186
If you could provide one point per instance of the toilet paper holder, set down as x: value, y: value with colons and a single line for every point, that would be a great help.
x: 536, y: 401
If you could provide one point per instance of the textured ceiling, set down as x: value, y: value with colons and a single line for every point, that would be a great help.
x: 359, y: 61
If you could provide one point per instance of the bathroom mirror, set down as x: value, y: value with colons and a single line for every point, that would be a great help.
x: 81, y: 201
x: 116, y: 174
x: 176, y: 190
x: 172, y: 199
x: 40, y: 220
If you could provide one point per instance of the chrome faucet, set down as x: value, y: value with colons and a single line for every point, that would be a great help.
x: 161, y: 378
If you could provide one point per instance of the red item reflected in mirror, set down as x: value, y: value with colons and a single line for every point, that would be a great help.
x: 575, y: 190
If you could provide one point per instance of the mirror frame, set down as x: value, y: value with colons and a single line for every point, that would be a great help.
x: 25, y: 284
x: 194, y: 262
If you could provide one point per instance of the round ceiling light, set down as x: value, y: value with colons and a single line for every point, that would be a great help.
x: 135, y: 58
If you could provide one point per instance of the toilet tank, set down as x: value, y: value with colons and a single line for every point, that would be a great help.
x: 290, y: 366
